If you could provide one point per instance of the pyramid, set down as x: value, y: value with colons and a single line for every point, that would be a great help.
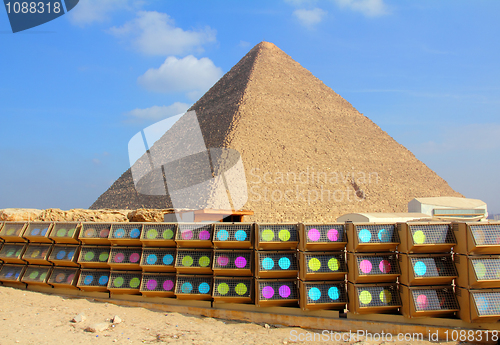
x: 308, y: 154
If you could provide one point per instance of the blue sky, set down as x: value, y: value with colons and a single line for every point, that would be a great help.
x: 75, y: 90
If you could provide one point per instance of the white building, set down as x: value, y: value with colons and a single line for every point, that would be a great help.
x: 383, y: 218
x: 450, y: 208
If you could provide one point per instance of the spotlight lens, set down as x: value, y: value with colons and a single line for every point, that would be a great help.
x: 384, y: 235
x: 88, y: 256
x: 419, y: 237
x: 187, y: 287
x: 384, y: 266
x: 267, y: 292
x: 365, y: 266
x: 168, y: 234
x: 422, y: 302
x: 222, y: 235
x: 204, y: 261
x: 333, y: 235
x: 187, y: 261
x: 168, y: 285
x: 151, y: 234
x: 333, y: 293
x: 119, y: 257
x: 240, y: 262
x: 385, y: 296
x: 223, y: 288
x: 284, y: 263
x: 284, y: 291
x: 135, y: 233
x: 134, y: 282
x: 204, y: 235
x: 222, y: 260
x: 313, y: 235
x: 187, y: 235
x: 365, y: 297
x: 333, y: 264
x: 103, y: 256
x: 268, y: 263
x: 204, y: 288
x: 103, y: 280
x: 88, y: 280
x: 240, y: 235
x: 134, y: 257
x: 168, y: 259
x: 119, y: 233
x: 314, y: 264
x: 267, y: 235
x: 241, y: 289
x: 365, y: 235
x: 151, y: 284
x: 284, y: 235
x: 314, y: 293
x: 151, y: 259
x: 420, y: 268
x: 62, y: 232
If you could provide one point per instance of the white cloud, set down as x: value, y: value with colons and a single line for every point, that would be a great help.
x: 90, y: 11
x: 154, y: 33
x: 188, y: 75
x: 158, y: 113
x: 309, y: 18
x: 370, y: 8
x: 244, y: 44
x: 300, y: 2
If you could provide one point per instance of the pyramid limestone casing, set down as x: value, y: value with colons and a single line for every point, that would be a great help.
x: 287, y: 124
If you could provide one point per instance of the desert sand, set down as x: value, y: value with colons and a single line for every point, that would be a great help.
x: 28, y: 317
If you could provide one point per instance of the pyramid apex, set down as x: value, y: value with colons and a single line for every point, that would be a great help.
x: 267, y: 45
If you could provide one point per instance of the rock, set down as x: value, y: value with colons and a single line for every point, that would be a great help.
x: 97, y: 327
x: 78, y: 318
x: 81, y: 215
x: 144, y: 215
x: 267, y: 326
x: 19, y: 214
x: 116, y: 320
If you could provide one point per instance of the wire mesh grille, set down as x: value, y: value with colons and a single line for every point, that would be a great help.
x: 11, y: 272
x: 37, y: 229
x: 12, y: 251
x: 487, y: 303
x: 63, y: 230
x: 36, y: 274
x: 125, y: 255
x: 95, y: 230
x: 436, y: 266
x: 376, y: 233
x: 226, y: 259
x: 232, y: 287
x: 434, y: 299
x: 325, y: 262
x: 378, y: 296
x: 487, y: 234
x: 194, y: 232
x: 94, y: 254
x: 122, y: 231
x: 12, y: 229
x: 486, y: 268
x: 278, y: 290
x: 330, y: 292
x: 232, y: 232
x: 277, y: 261
x: 327, y: 233
x: 193, y: 258
x: 63, y: 276
x: 194, y: 285
x: 377, y: 265
x: 89, y: 277
x: 125, y: 280
x: 36, y: 251
x: 158, y: 257
x: 278, y: 233
x: 159, y: 232
x: 432, y: 234
x: 63, y: 253
x: 158, y: 282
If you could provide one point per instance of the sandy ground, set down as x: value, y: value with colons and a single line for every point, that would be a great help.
x: 28, y: 317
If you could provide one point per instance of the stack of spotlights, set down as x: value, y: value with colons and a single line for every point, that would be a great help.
x: 322, y: 266
x: 372, y: 268
x: 477, y: 259
x: 427, y: 269
x: 193, y: 262
x: 11, y: 253
x: 233, y: 263
x: 276, y: 264
x: 124, y: 256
